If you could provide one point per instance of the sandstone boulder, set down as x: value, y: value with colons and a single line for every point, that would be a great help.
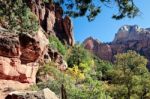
x: 7, y: 86
x: 43, y: 94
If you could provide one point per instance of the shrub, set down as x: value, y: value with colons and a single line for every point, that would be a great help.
x: 16, y: 16
x: 56, y: 44
x: 76, y: 73
x: 87, y: 89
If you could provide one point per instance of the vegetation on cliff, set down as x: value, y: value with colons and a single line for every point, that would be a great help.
x: 16, y: 16
x: 56, y: 44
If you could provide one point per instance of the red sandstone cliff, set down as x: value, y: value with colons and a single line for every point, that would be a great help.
x: 52, y: 20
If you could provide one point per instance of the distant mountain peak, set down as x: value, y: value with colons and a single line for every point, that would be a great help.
x: 93, y: 39
x: 129, y: 28
x: 131, y: 32
x: 90, y: 42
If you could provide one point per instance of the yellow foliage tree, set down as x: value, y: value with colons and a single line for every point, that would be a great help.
x: 76, y: 73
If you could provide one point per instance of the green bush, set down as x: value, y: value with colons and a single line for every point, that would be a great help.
x: 88, y: 89
x: 16, y: 16
x: 76, y: 55
x: 102, y: 67
x: 56, y: 44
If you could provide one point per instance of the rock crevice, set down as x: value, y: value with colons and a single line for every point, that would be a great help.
x: 51, y: 19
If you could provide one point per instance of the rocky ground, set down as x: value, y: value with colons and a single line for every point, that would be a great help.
x: 7, y: 86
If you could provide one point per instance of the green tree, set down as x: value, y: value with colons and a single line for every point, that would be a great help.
x: 91, y: 8
x: 77, y: 55
x: 130, y: 77
x: 102, y: 67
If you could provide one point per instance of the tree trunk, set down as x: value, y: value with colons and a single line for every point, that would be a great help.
x: 63, y: 92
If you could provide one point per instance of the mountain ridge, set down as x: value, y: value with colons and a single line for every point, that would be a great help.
x: 128, y: 37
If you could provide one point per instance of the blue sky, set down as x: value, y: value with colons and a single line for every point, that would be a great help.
x: 104, y: 27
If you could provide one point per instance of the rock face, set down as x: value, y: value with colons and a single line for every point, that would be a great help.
x: 127, y: 38
x: 104, y: 51
x: 58, y: 59
x: 51, y: 20
x: 130, y: 33
x: 43, y: 94
x: 20, y: 55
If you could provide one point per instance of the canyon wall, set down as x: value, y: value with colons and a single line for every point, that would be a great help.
x: 52, y: 20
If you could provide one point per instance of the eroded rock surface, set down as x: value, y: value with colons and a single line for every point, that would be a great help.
x: 58, y: 59
x: 7, y: 86
x: 20, y: 56
x: 52, y: 21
